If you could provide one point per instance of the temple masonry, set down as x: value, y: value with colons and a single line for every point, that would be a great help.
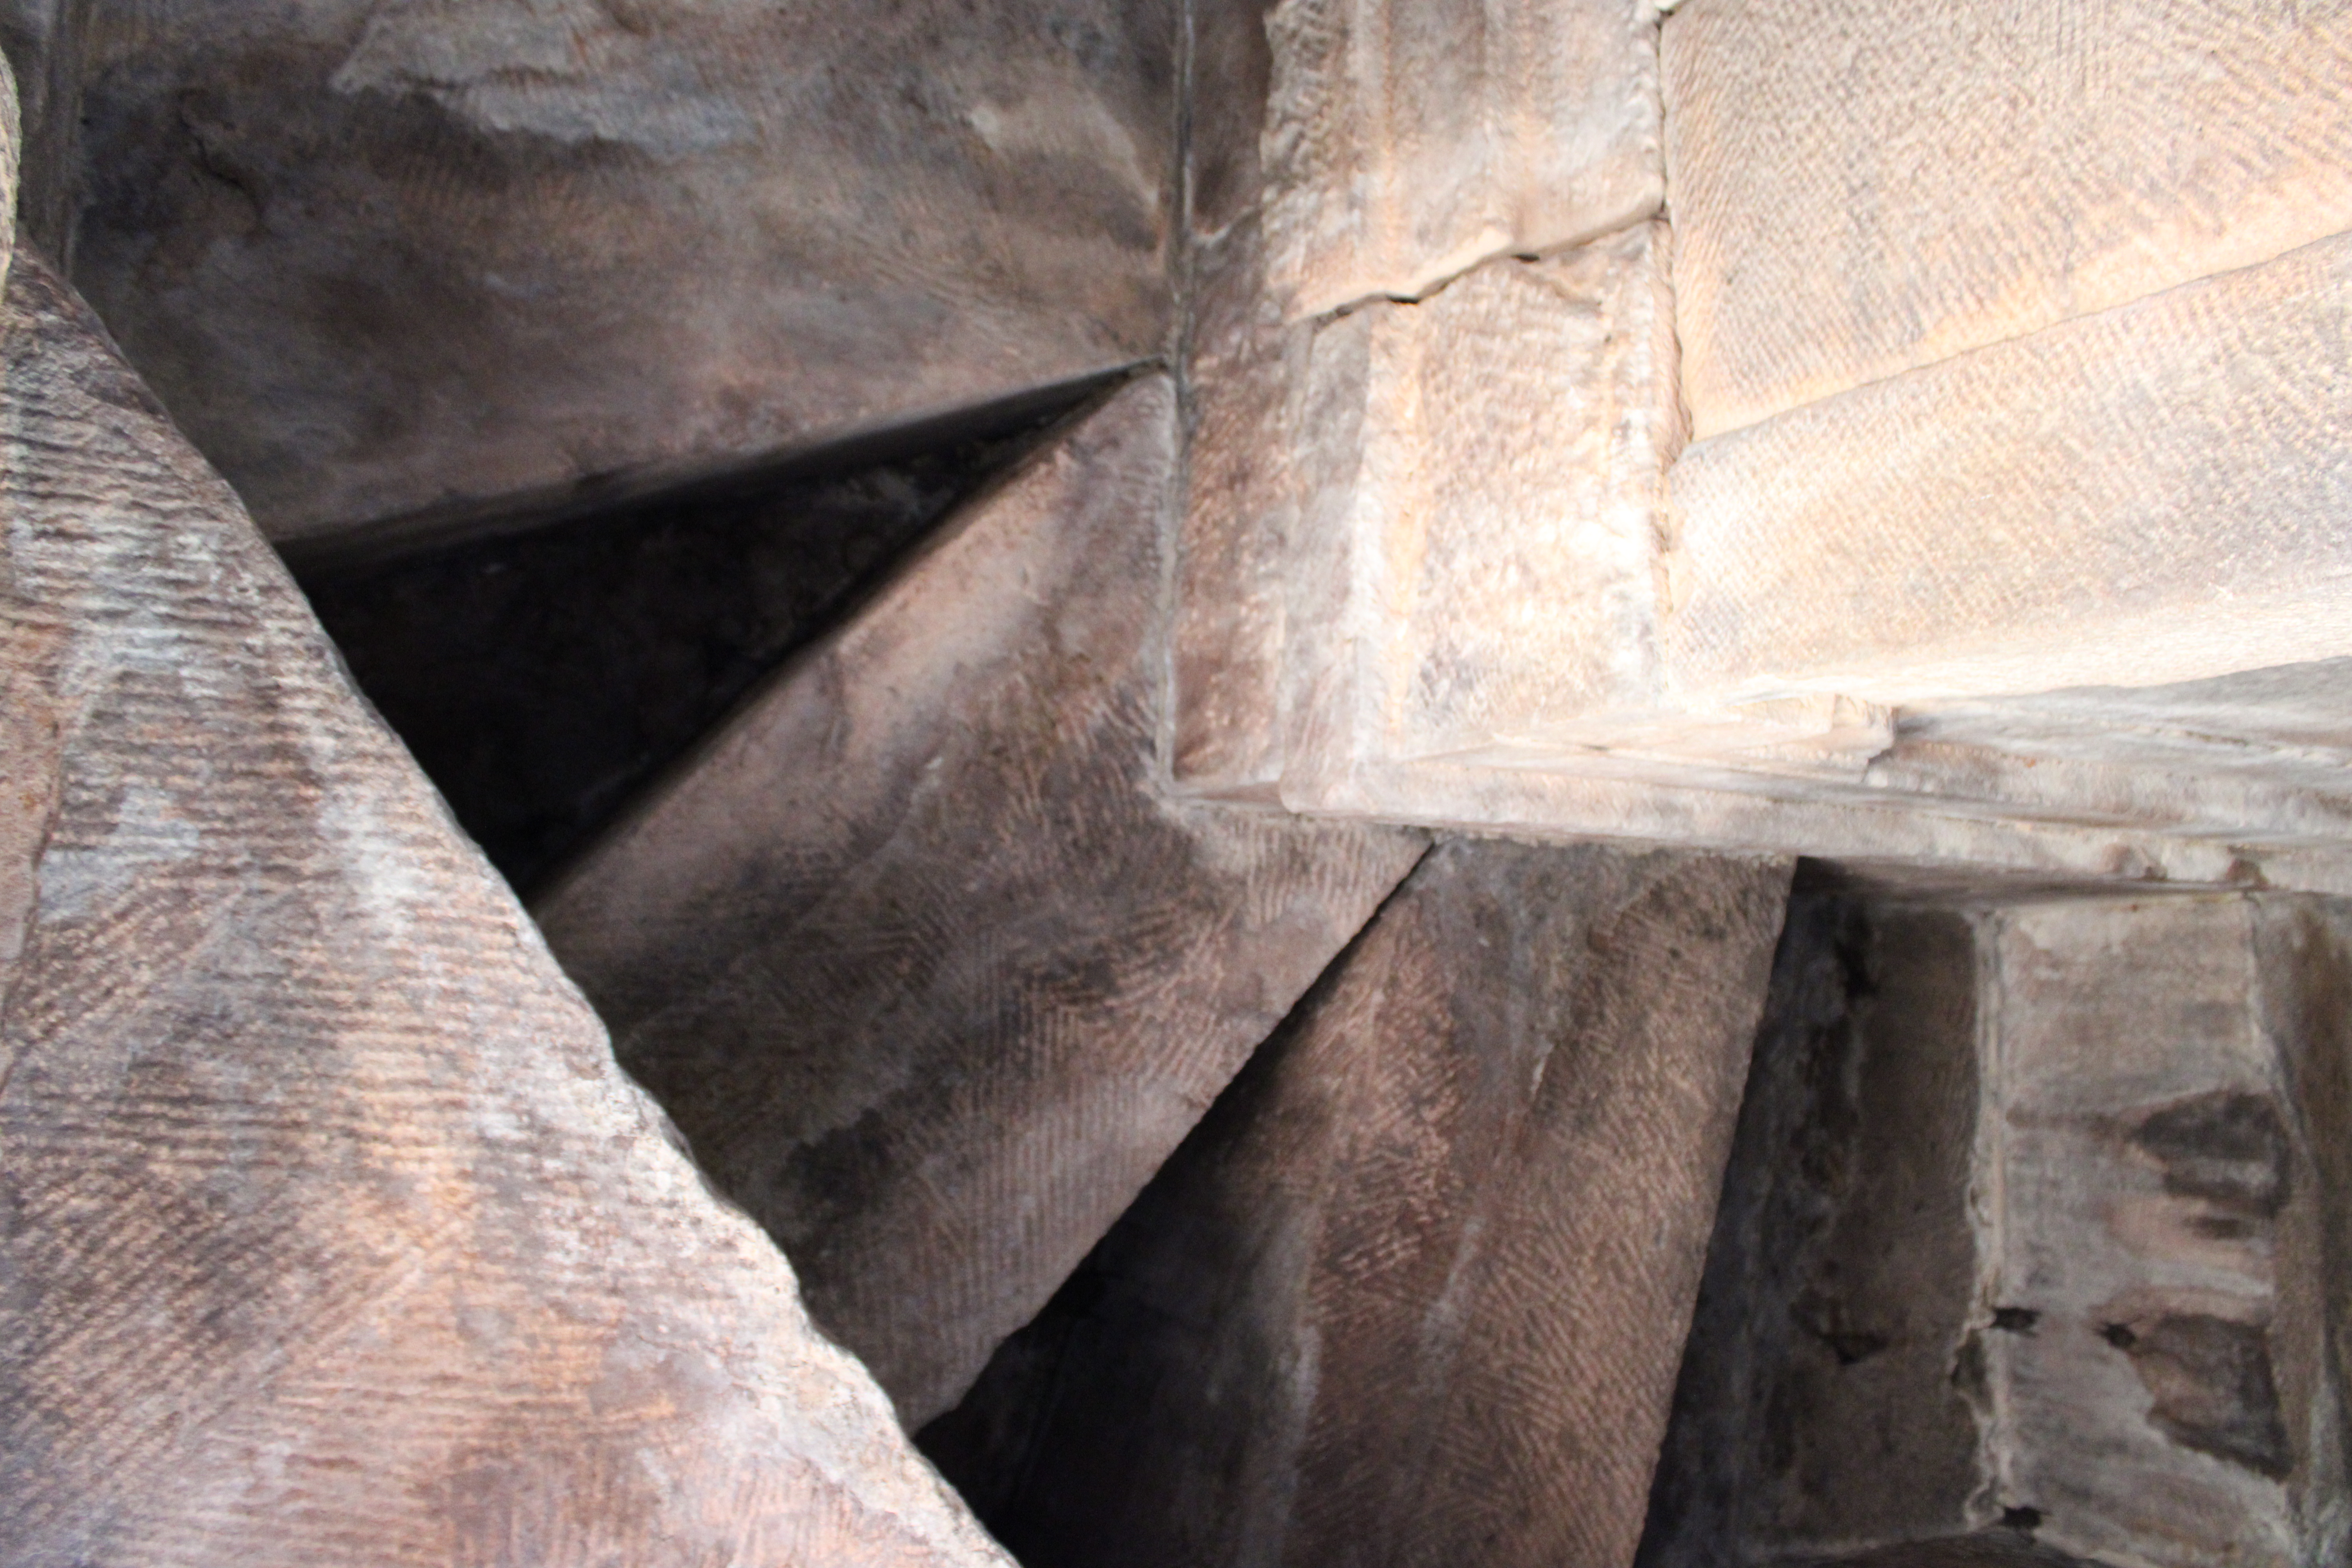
x: 1207, y: 784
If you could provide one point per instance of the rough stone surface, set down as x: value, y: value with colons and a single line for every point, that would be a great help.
x: 1858, y: 191
x: 1415, y: 1290
x: 2159, y: 1212
x: 927, y: 965
x: 400, y: 260
x: 1478, y: 554
x: 2152, y: 494
x: 1407, y: 142
x: 328, y: 1230
x: 1818, y: 1405
x: 2033, y: 1220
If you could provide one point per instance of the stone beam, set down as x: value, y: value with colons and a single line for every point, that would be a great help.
x: 927, y: 963
x: 330, y: 1230
x: 1414, y: 1292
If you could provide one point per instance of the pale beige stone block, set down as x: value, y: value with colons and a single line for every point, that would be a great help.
x: 2151, y: 494
x: 330, y: 1231
x: 919, y: 952
x: 1860, y: 190
x: 1407, y: 143
x: 1480, y: 474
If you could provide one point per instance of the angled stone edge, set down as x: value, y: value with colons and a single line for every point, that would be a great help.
x: 1641, y: 801
x: 919, y: 950
x: 330, y: 1230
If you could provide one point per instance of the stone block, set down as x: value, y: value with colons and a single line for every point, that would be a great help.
x: 2033, y: 1225
x: 1857, y: 193
x: 1404, y: 143
x: 1478, y: 555
x: 2152, y: 494
x: 330, y: 1231
x: 1414, y: 1292
x: 925, y: 961
x: 411, y: 262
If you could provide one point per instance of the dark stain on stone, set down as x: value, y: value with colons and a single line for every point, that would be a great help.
x: 2227, y: 1148
x: 2212, y: 1385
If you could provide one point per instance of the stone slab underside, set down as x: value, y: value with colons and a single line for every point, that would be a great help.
x: 1415, y: 1290
x: 330, y: 1231
x: 385, y: 260
x: 928, y: 967
x: 1859, y: 191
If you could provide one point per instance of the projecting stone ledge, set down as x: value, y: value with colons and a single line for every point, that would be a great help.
x: 928, y: 968
x: 328, y: 1230
x: 1414, y: 1292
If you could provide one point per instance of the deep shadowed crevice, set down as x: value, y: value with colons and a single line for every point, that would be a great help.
x: 541, y: 676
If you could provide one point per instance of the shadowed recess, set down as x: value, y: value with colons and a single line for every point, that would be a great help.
x: 541, y: 676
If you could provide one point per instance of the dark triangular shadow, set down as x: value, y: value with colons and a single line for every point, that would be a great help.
x: 542, y: 673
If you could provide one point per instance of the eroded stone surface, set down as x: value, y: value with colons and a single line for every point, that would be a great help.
x: 386, y: 259
x: 2105, y: 1315
x: 928, y: 968
x: 1478, y: 555
x: 328, y: 1229
x: 1858, y: 191
x: 1415, y: 1291
x: 1406, y: 142
x: 2148, y: 495
x: 1818, y: 1405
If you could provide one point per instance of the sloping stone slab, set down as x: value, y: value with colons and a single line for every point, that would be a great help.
x: 1860, y: 191
x: 328, y: 1230
x: 1415, y: 1291
x: 406, y: 260
x: 929, y: 967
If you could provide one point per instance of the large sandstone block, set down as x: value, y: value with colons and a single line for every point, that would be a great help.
x: 2151, y: 494
x: 1415, y: 1290
x: 1477, y: 556
x: 329, y: 1232
x: 1406, y: 142
x: 2032, y: 1222
x: 1859, y: 192
x: 928, y: 967
x: 385, y: 260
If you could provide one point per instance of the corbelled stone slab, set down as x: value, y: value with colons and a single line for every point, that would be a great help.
x: 923, y: 959
x: 407, y: 261
x: 1405, y: 143
x: 1859, y: 192
x: 1415, y: 1291
x: 329, y: 1232
x: 2152, y: 494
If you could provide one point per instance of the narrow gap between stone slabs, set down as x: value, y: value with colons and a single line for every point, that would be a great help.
x: 542, y: 675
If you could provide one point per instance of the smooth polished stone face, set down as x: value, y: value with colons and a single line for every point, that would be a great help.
x: 328, y: 1227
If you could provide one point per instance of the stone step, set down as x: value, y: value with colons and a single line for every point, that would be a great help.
x: 926, y: 963
x: 330, y: 1231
